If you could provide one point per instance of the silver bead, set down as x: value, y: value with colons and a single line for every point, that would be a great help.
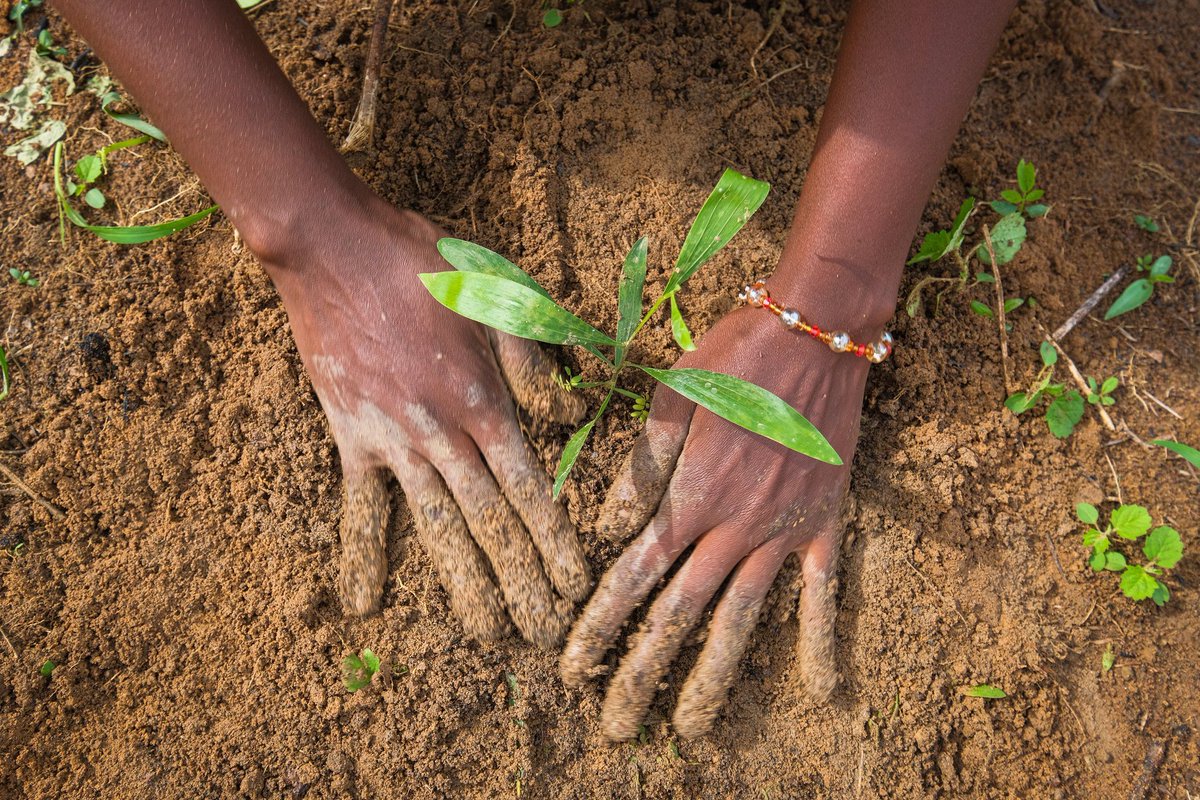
x: 839, y: 341
x: 877, y: 352
x: 790, y: 319
x: 754, y: 297
x: 886, y: 338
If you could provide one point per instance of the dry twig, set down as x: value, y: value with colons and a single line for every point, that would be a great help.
x: 1079, y: 381
x: 54, y: 510
x: 362, y: 129
x: 1093, y: 300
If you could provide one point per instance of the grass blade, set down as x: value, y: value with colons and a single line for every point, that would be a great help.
x: 510, y: 307
x: 750, y: 406
x: 469, y: 257
x: 679, y: 328
x: 132, y: 120
x: 727, y: 209
x: 629, y: 298
x: 986, y: 691
x: 569, y: 454
x: 1190, y: 454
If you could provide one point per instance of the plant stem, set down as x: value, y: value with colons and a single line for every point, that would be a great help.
x: 657, y: 305
x: 987, y: 240
x: 627, y: 393
x: 1079, y: 381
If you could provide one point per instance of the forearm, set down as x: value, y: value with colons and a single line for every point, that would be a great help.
x: 202, y: 74
x: 905, y: 77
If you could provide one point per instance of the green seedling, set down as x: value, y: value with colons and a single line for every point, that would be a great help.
x: 119, y: 234
x: 985, y: 691
x: 47, y: 668
x: 1065, y: 408
x: 1142, y: 289
x: 492, y: 290
x: 1101, y: 395
x: 1187, y: 452
x: 23, y: 277
x: 358, y: 669
x: 984, y: 310
x: 1007, y: 236
x: 553, y: 16
x: 46, y: 47
x: 1023, y: 199
x: 3, y: 373
x: 1145, y: 223
x: 1162, y: 548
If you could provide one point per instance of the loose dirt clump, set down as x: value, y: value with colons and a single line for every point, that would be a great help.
x: 188, y: 594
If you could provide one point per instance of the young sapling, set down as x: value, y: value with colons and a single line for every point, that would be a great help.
x: 1162, y: 548
x: 1023, y: 199
x: 23, y: 277
x: 1102, y: 394
x: 491, y: 290
x: 1146, y: 223
x: 1065, y: 408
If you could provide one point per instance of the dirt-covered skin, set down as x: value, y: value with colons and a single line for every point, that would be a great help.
x: 189, y: 594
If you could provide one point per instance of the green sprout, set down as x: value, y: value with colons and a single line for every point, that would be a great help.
x: 4, y: 386
x: 1065, y: 409
x: 1162, y: 548
x: 358, y: 669
x: 1145, y: 223
x: 23, y: 277
x: 1140, y: 290
x: 553, y: 16
x: 1101, y: 395
x: 1023, y: 199
x: 47, y: 668
x: 45, y: 45
x: 491, y: 290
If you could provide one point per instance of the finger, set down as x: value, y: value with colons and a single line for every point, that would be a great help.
x: 623, y: 587
x: 671, y: 619
x: 818, y: 613
x: 638, y: 488
x: 527, y: 486
x: 729, y: 634
x: 531, y: 379
x: 462, y: 569
x: 363, y: 532
x: 540, y: 616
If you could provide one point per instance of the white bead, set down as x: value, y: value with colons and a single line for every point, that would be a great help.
x: 877, y: 352
x: 886, y: 338
x: 839, y: 342
x: 754, y: 297
x: 790, y: 319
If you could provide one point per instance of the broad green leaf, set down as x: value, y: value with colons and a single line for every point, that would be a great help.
x: 981, y: 309
x: 1064, y: 413
x: 1134, y: 295
x: 750, y: 406
x: 469, y: 257
x: 1161, y: 594
x: 1160, y: 266
x: 727, y: 209
x: 1087, y: 513
x: 1002, y: 207
x: 510, y: 307
x: 354, y: 673
x: 1013, y: 303
x: 986, y: 691
x: 679, y: 328
x: 131, y: 120
x: 1097, y: 561
x: 1091, y: 536
x: 94, y: 198
x: 1189, y: 453
x: 1026, y: 176
x: 1114, y: 562
x: 1007, y: 237
x: 1130, y: 521
x: 1020, y: 402
x: 552, y: 18
x: 89, y: 168
x: 937, y: 244
x: 569, y: 454
x: 1049, y: 354
x: 629, y: 297
x: 370, y: 661
x: 1163, y: 546
x: 985, y: 277
x: 1137, y: 584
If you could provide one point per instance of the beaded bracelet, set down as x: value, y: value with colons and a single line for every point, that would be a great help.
x: 838, y: 341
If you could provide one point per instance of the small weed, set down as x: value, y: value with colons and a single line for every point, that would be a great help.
x: 1187, y: 452
x: 1145, y: 223
x: 4, y: 377
x: 1108, y: 658
x: 1065, y: 409
x: 514, y: 691
x: 358, y: 669
x: 1023, y: 199
x: 1162, y: 548
x: 985, y: 691
x: 1102, y: 395
x: 492, y: 290
x: 46, y: 47
x: 23, y: 277
x: 1140, y: 290
x: 553, y: 16
x: 47, y: 668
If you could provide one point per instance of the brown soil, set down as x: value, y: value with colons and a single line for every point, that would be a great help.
x: 188, y: 592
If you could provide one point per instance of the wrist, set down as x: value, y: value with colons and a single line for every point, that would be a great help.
x: 838, y: 293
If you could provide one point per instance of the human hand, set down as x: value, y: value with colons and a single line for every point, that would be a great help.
x: 411, y: 388
x: 745, y: 503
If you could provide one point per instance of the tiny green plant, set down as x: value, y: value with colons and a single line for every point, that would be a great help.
x: 1024, y: 199
x: 553, y: 16
x: 1162, y: 548
x: 1007, y: 236
x: 1101, y: 394
x: 1138, y: 292
x: 45, y: 45
x: 4, y: 387
x: 492, y: 290
x: 1065, y: 408
x: 358, y: 669
x: 23, y: 277
x: 47, y: 668
x: 1146, y: 223
x: 986, y: 691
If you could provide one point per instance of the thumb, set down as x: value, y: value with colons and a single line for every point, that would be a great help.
x: 530, y: 374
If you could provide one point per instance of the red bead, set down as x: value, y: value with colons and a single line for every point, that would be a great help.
x: 860, y: 350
